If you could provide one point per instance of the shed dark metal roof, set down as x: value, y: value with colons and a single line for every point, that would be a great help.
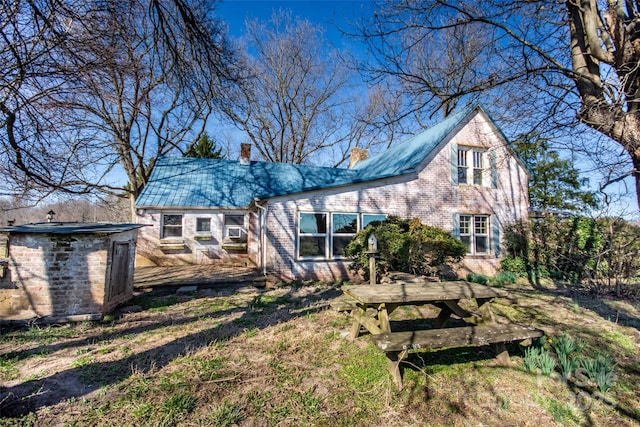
x: 70, y: 228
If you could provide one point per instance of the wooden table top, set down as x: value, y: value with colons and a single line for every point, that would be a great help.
x: 398, y: 293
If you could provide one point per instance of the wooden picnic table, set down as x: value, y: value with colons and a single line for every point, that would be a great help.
x: 372, y: 306
x: 384, y: 299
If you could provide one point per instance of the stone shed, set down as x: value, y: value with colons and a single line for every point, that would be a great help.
x: 59, y: 272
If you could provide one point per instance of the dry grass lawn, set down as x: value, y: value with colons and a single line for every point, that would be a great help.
x: 281, y: 357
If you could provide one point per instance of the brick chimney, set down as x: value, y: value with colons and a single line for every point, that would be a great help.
x: 245, y: 154
x: 357, y: 154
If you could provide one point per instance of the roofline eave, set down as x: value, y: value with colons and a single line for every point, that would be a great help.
x: 199, y: 208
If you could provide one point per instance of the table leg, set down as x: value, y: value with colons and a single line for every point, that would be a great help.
x: 394, y: 358
x: 502, y: 354
x: 500, y: 349
x: 360, y: 318
x: 384, y: 311
x: 443, y: 316
x: 355, y: 326
x: 484, y: 307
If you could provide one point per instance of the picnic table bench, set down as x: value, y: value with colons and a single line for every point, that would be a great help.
x: 382, y: 300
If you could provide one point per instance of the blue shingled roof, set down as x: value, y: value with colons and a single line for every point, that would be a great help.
x: 183, y: 181
x: 192, y: 182
x: 405, y: 157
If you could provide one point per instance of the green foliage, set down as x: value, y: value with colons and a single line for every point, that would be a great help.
x: 546, y: 362
x: 601, y: 371
x: 515, y: 265
x: 531, y: 358
x: 567, y: 349
x: 148, y: 302
x: 178, y: 405
x: 539, y: 358
x: 567, y: 364
x: 404, y: 245
x: 568, y: 359
x: 205, y: 148
x: 556, y: 183
x: 226, y: 414
x: 504, y: 278
x: 602, y: 251
x: 562, y: 413
x: 477, y: 278
x: 8, y: 370
x: 566, y: 345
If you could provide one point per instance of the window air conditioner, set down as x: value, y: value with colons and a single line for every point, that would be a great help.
x: 234, y: 232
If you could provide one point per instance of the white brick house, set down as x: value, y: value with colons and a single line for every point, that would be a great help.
x: 293, y: 220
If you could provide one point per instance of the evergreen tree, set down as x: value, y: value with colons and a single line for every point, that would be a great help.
x: 556, y: 183
x: 205, y: 148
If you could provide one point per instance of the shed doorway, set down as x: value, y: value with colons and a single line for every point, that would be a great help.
x: 120, y: 272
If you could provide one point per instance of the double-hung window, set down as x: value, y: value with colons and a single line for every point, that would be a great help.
x: 203, y: 225
x: 462, y: 166
x: 474, y: 233
x: 475, y: 173
x: 171, y: 226
x: 478, y: 169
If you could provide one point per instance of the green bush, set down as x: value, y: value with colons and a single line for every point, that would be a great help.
x: 514, y: 265
x: 404, y: 245
x: 504, y: 278
x: 477, y: 278
x: 574, y: 249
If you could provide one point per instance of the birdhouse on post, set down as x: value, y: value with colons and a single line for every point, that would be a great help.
x: 372, y: 245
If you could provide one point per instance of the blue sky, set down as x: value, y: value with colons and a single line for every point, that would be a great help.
x: 324, y: 12
x: 328, y: 13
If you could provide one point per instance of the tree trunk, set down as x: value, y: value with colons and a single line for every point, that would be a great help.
x: 624, y: 128
x: 615, y: 118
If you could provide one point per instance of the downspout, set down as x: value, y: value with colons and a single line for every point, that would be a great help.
x: 263, y: 235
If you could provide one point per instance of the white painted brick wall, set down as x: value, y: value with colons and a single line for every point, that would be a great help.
x: 427, y: 195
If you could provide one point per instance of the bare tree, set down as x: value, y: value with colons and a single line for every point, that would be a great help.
x: 551, y: 61
x: 111, y: 84
x: 31, y: 36
x: 292, y: 104
x: 374, y: 125
x: 73, y: 208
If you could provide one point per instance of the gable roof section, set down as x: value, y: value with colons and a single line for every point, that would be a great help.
x: 192, y: 182
x: 405, y: 157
